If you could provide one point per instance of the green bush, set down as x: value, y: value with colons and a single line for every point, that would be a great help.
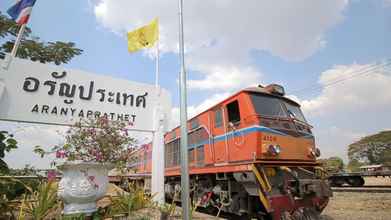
x: 128, y: 202
x: 12, y: 189
x: 41, y: 202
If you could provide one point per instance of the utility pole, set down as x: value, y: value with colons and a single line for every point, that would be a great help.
x: 183, y: 112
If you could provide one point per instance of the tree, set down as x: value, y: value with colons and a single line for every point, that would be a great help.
x: 332, y: 164
x: 32, y: 47
x: 372, y: 149
x: 9, y: 27
x: 354, y: 165
x: 7, y: 143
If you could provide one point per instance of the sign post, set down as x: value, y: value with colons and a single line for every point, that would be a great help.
x: 157, y: 178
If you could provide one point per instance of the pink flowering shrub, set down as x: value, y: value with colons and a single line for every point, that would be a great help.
x: 96, y: 140
x: 51, y: 175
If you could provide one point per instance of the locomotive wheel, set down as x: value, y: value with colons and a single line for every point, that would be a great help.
x: 311, y: 214
x: 335, y: 182
x: 356, y: 181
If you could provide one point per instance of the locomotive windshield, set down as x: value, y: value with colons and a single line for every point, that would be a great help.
x: 276, y: 107
x: 294, y: 111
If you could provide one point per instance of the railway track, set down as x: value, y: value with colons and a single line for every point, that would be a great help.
x: 364, y: 189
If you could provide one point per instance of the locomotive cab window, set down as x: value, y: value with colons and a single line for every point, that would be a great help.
x: 295, y: 112
x: 233, y: 112
x: 276, y: 107
x: 268, y: 106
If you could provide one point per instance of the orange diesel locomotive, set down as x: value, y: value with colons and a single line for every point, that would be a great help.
x: 252, y: 155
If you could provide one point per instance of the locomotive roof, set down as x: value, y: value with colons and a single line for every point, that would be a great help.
x: 262, y: 90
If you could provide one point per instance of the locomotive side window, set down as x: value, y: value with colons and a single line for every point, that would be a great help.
x: 191, y: 156
x: 176, y: 153
x: 172, y: 153
x: 145, y: 158
x: 233, y: 112
x: 197, y: 137
x: 168, y: 156
x: 200, y: 155
x: 194, y: 124
x: 218, y: 118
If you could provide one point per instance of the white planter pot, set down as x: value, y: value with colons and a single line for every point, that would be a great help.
x: 82, y: 184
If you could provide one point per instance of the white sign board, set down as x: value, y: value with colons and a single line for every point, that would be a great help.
x: 41, y: 93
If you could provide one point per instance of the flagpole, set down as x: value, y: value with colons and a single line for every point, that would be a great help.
x: 157, y: 64
x: 185, y: 196
x: 18, y: 40
x: 157, y: 183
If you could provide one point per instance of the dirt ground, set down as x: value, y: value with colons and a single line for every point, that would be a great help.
x: 360, y: 205
x: 377, y: 181
x: 354, y: 205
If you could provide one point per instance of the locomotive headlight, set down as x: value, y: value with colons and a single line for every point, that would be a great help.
x: 274, y: 150
x: 315, y: 152
x: 275, y: 89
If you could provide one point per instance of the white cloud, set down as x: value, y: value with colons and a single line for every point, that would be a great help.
x: 220, y: 35
x: 100, y: 10
x: 226, y: 78
x: 193, y: 110
x: 334, y: 141
x: 29, y: 136
x: 362, y: 90
x: 387, y: 3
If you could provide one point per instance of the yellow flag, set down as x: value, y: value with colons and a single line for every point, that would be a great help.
x: 143, y: 37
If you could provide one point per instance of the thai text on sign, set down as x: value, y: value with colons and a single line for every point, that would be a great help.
x: 40, y: 93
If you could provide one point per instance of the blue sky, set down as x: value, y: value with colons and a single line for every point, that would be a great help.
x: 298, y: 44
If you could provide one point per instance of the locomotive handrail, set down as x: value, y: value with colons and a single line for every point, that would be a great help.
x: 210, y: 136
x: 234, y: 129
x: 225, y: 137
x: 282, y: 119
x: 272, y: 117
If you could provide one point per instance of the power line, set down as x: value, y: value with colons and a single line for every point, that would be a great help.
x: 362, y: 72
x: 365, y: 73
x: 356, y: 73
x: 338, y: 78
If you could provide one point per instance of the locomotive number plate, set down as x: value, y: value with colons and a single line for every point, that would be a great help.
x: 269, y: 138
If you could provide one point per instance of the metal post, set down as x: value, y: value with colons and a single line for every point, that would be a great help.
x: 183, y: 112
